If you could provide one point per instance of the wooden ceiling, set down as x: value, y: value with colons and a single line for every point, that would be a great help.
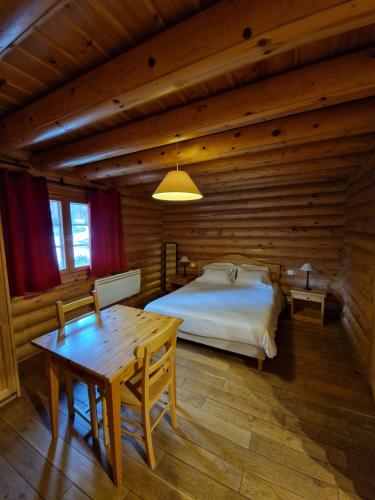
x: 254, y: 93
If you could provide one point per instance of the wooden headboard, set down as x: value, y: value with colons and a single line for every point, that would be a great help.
x: 274, y: 269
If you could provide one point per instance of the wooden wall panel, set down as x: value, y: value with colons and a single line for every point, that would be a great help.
x: 36, y: 315
x: 288, y: 225
x: 359, y: 266
x: 143, y: 242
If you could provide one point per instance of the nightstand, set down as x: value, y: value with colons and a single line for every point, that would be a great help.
x: 178, y: 280
x: 308, y: 305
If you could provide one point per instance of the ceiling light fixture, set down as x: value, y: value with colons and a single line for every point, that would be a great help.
x: 177, y: 185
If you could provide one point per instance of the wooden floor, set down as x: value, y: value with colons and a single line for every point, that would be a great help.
x: 303, y: 428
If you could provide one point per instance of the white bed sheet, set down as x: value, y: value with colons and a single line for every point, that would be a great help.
x: 235, y: 313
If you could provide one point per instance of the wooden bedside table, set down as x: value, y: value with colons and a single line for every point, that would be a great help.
x: 178, y: 280
x: 308, y: 305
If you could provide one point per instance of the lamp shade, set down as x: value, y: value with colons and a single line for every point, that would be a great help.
x: 307, y: 266
x: 177, y: 185
x: 184, y: 259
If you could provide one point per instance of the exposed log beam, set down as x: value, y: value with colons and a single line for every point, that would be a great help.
x: 334, y: 174
x: 337, y: 121
x: 308, y: 88
x: 19, y: 17
x: 287, y: 179
x: 236, y: 182
x: 219, y: 39
x: 129, y: 166
x: 250, y: 170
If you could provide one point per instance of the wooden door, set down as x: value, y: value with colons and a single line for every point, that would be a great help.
x: 9, y: 385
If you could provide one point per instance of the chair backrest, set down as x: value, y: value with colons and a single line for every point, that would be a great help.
x: 62, y: 309
x: 158, y: 370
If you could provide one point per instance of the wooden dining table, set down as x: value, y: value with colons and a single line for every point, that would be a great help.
x: 99, y: 348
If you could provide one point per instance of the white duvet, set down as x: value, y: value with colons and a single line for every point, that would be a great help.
x: 229, y: 312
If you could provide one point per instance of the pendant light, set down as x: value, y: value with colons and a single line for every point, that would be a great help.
x: 177, y: 185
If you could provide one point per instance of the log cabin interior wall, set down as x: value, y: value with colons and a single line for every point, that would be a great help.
x: 143, y: 243
x: 274, y: 119
x: 288, y: 225
x: 359, y: 267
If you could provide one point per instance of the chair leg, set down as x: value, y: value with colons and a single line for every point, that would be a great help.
x: 105, y: 421
x: 69, y: 393
x: 174, y: 378
x: 93, y: 414
x: 148, y: 437
x: 172, y: 403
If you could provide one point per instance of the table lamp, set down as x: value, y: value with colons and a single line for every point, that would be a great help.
x: 307, y: 267
x: 184, y: 261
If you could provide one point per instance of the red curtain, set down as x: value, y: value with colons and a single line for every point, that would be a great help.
x: 28, y: 234
x: 107, y: 241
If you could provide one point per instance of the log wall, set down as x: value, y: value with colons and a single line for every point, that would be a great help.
x: 288, y: 225
x: 36, y: 315
x: 143, y: 242
x: 359, y: 267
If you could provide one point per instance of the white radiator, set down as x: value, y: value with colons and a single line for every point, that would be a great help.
x: 118, y: 287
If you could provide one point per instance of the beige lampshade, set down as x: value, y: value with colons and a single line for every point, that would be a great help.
x: 177, y: 185
x: 184, y: 259
x: 307, y: 266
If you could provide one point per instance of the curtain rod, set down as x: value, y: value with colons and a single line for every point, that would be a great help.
x: 62, y: 183
x: 58, y: 182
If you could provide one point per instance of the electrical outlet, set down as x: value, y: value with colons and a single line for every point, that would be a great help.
x: 290, y: 272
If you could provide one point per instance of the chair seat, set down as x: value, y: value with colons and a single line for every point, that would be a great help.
x: 131, y: 391
x: 128, y: 398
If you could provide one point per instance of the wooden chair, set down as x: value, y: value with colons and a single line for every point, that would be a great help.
x: 63, y: 309
x: 144, y: 390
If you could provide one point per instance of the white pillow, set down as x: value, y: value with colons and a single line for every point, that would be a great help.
x: 220, y: 265
x: 216, y: 276
x: 223, y: 265
x: 252, y: 278
x: 254, y: 267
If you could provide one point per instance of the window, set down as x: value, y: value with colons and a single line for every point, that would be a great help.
x: 79, y: 216
x: 71, y: 231
x: 58, y: 232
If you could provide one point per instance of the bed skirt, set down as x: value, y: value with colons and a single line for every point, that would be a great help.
x: 226, y: 345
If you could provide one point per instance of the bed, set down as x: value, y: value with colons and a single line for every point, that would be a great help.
x: 236, y: 318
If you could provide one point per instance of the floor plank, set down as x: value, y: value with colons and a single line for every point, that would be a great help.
x: 48, y: 481
x: 13, y: 485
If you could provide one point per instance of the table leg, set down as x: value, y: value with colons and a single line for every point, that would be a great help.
x: 112, y: 395
x: 53, y: 375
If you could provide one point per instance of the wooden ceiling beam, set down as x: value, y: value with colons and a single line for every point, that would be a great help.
x: 337, y: 121
x: 309, y: 151
x: 224, y: 37
x: 18, y: 18
x: 326, y: 168
x: 335, y: 175
x: 251, y: 170
x: 312, y: 87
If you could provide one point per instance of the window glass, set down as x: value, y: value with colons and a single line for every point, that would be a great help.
x: 58, y: 232
x: 81, y: 234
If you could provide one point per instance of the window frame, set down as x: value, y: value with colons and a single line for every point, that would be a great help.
x: 65, y: 196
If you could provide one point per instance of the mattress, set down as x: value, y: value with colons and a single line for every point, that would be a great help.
x: 232, y: 313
